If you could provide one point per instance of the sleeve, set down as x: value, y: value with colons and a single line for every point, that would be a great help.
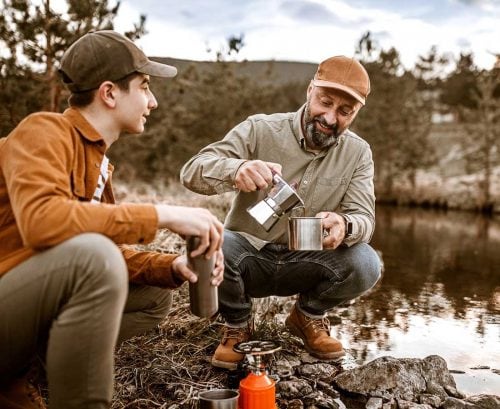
x: 37, y: 163
x: 213, y: 169
x: 358, y: 203
x: 150, y: 268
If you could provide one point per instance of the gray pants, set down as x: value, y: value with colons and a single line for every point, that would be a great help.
x: 73, y: 303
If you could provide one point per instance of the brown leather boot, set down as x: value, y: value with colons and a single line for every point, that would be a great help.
x: 224, y: 356
x: 315, y: 333
x: 20, y: 393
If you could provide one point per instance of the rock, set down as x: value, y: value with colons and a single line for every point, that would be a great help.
x: 294, y: 388
x: 436, y: 389
x: 374, y: 403
x: 284, y: 369
x: 318, y: 399
x: 454, y: 403
x: 405, y: 379
x: 327, y: 389
x: 404, y: 404
x: 392, y: 404
x: 484, y: 401
x: 295, y: 404
x: 431, y: 400
x: 453, y: 392
x: 318, y: 371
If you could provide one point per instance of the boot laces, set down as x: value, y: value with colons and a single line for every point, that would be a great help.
x: 35, y: 396
x: 318, y: 324
x: 239, y: 334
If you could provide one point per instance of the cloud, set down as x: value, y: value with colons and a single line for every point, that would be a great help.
x: 310, y: 30
x: 309, y: 12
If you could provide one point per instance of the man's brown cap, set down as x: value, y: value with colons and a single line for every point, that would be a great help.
x: 345, y: 74
x: 106, y: 55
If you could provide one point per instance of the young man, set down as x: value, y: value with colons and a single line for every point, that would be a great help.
x: 334, y: 171
x: 67, y: 290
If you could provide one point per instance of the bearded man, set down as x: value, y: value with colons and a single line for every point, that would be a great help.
x: 333, y: 170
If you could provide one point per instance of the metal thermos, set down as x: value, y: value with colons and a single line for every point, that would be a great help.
x: 203, y: 299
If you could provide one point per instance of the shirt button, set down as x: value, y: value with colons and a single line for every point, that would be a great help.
x: 305, y: 182
x: 141, y: 240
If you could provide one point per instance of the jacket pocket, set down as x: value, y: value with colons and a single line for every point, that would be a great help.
x: 328, y: 193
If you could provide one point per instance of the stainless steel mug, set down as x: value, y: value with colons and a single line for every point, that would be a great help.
x: 305, y: 233
x: 219, y: 399
x: 203, y: 299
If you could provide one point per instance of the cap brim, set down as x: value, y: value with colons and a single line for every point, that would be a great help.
x: 336, y: 85
x: 157, y: 69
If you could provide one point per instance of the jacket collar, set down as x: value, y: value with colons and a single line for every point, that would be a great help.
x: 82, y: 125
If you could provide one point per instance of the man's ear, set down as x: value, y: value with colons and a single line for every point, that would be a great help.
x: 309, y: 89
x: 107, y: 93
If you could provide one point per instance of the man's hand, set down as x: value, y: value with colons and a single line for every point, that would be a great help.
x: 182, y: 271
x: 193, y: 221
x: 334, y: 224
x: 255, y: 174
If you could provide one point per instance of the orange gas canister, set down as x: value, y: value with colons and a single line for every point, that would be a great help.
x: 257, y: 390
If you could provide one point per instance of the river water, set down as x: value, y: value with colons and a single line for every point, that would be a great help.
x: 439, y: 294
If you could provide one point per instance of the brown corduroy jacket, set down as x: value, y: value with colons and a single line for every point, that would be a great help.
x: 49, y: 169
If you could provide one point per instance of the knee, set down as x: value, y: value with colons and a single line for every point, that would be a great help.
x: 366, y: 268
x: 101, y: 261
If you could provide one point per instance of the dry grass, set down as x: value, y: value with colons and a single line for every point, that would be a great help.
x: 169, y: 366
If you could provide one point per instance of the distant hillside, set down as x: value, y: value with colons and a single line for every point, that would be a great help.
x: 279, y: 72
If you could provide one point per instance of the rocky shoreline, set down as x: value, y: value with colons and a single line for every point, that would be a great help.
x: 384, y: 383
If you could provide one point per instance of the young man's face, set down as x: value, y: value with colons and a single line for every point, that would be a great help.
x: 329, y: 112
x: 135, y: 104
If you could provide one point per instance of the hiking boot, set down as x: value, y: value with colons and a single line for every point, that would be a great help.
x: 315, y: 333
x: 224, y: 355
x: 20, y: 393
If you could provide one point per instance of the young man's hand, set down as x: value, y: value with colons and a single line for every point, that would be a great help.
x: 193, y: 221
x: 182, y: 271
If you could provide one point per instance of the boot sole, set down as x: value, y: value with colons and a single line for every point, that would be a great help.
x: 232, y: 366
x: 320, y: 355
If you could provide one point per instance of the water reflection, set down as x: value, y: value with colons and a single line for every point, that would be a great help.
x: 440, y: 294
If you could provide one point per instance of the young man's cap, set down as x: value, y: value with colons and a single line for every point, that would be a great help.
x: 106, y: 55
x: 345, y: 74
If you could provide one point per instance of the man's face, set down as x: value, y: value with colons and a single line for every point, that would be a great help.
x: 136, y: 104
x: 329, y: 112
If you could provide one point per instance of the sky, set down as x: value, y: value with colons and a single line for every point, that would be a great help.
x: 313, y: 30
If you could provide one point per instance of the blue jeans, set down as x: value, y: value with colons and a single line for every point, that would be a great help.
x: 323, y: 279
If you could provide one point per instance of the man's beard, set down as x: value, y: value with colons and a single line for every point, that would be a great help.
x: 314, y: 137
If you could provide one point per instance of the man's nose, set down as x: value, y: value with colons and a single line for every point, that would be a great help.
x: 153, y: 103
x: 330, y: 117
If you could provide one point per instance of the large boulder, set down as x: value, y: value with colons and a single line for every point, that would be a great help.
x: 404, y: 379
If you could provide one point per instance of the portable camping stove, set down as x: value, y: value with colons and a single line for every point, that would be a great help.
x: 257, y: 390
